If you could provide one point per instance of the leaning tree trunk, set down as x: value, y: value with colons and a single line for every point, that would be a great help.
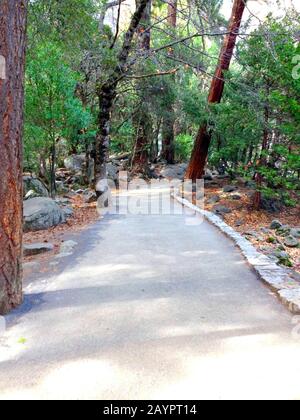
x: 198, y: 161
x: 168, y: 138
x: 12, y: 48
x: 107, y: 94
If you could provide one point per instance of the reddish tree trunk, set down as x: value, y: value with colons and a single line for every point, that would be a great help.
x: 168, y: 137
x: 12, y: 48
x: 198, y: 161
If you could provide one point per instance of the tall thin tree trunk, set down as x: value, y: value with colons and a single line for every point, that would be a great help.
x: 168, y: 137
x: 12, y: 47
x: 107, y: 94
x: 144, y: 123
x: 262, y: 161
x: 198, y: 160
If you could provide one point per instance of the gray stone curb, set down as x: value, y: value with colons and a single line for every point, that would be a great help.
x: 276, y: 277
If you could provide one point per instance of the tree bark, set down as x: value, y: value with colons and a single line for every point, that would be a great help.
x: 262, y: 161
x: 107, y: 94
x: 12, y: 47
x: 198, y: 160
x: 143, y: 124
x: 168, y: 137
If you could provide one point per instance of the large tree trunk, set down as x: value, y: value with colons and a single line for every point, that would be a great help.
x: 198, y: 161
x: 12, y: 48
x: 143, y: 120
x: 107, y: 94
x: 168, y: 137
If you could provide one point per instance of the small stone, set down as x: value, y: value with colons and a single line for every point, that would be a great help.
x: 276, y: 224
x: 295, y: 232
x: 213, y: 199
x: 221, y: 210
x: 291, y: 242
x: 35, y: 249
x: 236, y: 197
x: 239, y: 223
x: 285, y: 230
x: 90, y: 197
x: 229, y: 188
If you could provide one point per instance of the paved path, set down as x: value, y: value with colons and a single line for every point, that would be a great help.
x: 150, y: 307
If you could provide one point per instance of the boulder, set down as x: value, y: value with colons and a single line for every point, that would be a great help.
x: 229, y: 188
x: 295, y: 232
x: 272, y: 205
x: 112, y: 172
x: 34, y: 187
x: 42, y: 213
x: 284, y: 230
x: 276, y: 224
x: 208, y: 175
x: 221, y: 210
x: 291, y: 242
x: 174, y: 171
x: 75, y: 163
x: 213, y: 199
x: 30, y: 250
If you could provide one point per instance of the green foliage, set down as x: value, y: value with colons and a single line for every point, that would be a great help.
x: 52, y: 112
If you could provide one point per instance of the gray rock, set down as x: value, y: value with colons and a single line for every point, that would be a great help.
x: 208, y: 175
x: 236, y: 197
x: 112, y: 172
x: 68, y: 212
x: 90, y: 197
x: 42, y: 213
x: 254, y: 234
x: 30, y: 194
x: 174, y: 171
x: 239, y: 223
x: 272, y: 205
x: 221, y: 210
x: 291, y: 242
x: 34, y: 186
x: 284, y: 230
x: 35, y: 249
x: 276, y: 224
x: 295, y: 232
x: 229, y: 188
x: 75, y: 163
x: 213, y: 199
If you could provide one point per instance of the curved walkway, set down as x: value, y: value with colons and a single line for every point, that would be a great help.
x: 150, y: 307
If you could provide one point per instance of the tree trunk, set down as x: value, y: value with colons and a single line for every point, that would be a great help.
x: 262, y: 162
x: 12, y: 47
x: 168, y: 137
x: 144, y: 123
x: 198, y: 161
x: 106, y: 94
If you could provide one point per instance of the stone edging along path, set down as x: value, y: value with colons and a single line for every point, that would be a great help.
x: 276, y: 277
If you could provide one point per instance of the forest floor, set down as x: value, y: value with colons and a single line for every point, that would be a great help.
x: 83, y: 215
x: 244, y: 219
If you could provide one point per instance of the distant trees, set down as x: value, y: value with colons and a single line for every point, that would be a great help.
x: 13, y: 15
